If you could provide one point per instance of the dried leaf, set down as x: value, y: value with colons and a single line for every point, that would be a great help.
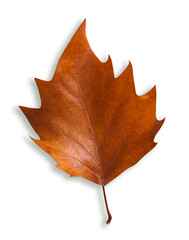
x: 95, y: 126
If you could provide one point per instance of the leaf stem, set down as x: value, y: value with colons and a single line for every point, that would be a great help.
x: 109, y: 215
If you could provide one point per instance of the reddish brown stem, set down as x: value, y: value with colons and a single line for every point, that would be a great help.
x: 109, y: 215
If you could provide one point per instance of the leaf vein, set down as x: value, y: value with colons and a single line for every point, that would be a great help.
x: 83, y: 164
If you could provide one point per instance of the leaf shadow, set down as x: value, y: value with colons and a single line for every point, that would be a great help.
x: 121, y: 68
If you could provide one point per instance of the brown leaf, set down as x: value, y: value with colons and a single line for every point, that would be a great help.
x: 92, y: 124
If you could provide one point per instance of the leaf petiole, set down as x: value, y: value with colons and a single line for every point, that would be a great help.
x: 109, y: 214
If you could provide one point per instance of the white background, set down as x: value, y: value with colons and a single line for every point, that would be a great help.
x: 148, y: 201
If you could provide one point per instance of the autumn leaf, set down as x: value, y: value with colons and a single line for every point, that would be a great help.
x: 93, y: 125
